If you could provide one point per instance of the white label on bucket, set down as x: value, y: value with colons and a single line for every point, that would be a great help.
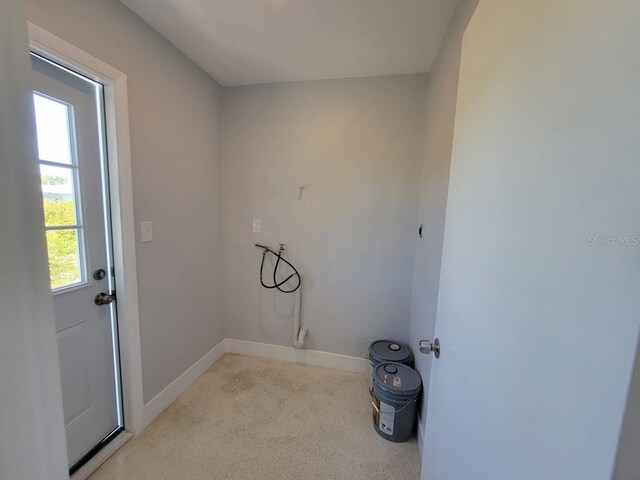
x: 387, y: 414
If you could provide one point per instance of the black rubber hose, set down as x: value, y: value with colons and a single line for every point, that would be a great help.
x: 276, y: 284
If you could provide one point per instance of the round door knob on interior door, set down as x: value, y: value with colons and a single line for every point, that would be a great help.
x: 104, y: 299
x: 427, y: 347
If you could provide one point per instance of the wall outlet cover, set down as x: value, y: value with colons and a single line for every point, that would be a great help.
x: 146, y: 231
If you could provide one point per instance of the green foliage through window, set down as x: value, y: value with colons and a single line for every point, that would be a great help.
x: 53, y: 180
x: 62, y: 245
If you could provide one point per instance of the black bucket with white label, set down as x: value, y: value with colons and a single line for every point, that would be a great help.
x: 396, y: 390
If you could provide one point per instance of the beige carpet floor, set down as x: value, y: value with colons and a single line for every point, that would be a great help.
x: 253, y: 418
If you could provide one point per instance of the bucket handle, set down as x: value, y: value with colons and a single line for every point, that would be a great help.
x: 406, y: 405
x: 377, y: 409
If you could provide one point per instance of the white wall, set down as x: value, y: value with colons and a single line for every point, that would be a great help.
x: 538, y: 317
x: 175, y: 121
x: 442, y: 94
x: 356, y: 145
x: 32, y: 438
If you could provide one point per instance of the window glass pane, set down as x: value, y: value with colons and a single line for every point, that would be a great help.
x: 58, y: 195
x: 52, y: 128
x: 64, y: 257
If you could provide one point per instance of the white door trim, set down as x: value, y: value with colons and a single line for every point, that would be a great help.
x: 119, y: 161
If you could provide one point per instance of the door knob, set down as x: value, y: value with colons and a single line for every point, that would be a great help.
x: 104, y: 299
x: 427, y: 346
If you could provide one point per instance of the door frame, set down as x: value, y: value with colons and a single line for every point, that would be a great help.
x: 117, y: 140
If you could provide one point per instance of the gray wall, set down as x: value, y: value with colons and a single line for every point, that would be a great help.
x: 32, y: 438
x: 440, y: 116
x: 176, y: 124
x: 357, y: 146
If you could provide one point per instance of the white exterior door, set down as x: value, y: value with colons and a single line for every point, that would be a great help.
x: 68, y: 110
x: 539, y: 302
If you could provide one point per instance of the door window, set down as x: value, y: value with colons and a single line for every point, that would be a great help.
x: 59, y: 179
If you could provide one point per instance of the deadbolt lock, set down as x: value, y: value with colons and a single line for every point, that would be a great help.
x: 99, y: 274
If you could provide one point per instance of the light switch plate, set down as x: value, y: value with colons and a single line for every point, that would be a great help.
x: 146, y: 231
x: 257, y: 225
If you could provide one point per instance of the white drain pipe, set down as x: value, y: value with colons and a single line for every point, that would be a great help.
x: 299, y: 333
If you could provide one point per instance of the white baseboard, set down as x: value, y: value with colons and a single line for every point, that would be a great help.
x: 307, y: 357
x: 166, y: 397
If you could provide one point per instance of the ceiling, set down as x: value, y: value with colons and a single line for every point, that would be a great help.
x: 241, y: 42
